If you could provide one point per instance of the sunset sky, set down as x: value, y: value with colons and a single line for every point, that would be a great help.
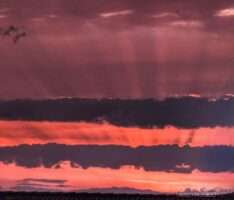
x: 132, y: 96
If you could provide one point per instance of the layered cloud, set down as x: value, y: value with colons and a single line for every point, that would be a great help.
x: 126, y: 176
x: 175, y: 159
x: 39, y: 185
x: 29, y: 187
x: 186, y: 112
x: 125, y: 51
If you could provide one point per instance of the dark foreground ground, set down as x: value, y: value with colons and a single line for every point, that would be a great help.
x: 98, y: 196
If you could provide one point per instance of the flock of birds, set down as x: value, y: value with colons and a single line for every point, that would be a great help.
x: 16, y: 33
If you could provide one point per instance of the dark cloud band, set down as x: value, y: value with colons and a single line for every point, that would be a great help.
x: 174, y: 159
x: 186, y: 112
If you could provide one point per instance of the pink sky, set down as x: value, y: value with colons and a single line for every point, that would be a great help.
x: 129, y: 176
x: 127, y: 49
x: 120, y: 49
x: 19, y: 132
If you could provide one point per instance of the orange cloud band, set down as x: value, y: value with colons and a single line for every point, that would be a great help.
x: 25, y: 132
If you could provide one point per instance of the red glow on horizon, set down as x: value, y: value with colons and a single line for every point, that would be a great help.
x: 126, y: 176
x: 22, y: 132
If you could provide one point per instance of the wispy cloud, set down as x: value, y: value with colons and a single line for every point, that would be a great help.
x: 43, y: 181
x: 3, y: 16
x: 187, y: 23
x: 165, y: 14
x: 4, y: 10
x: 118, y: 13
x: 53, y: 16
x: 228, y: 12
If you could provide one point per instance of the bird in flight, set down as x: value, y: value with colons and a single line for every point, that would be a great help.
x: 9, y: 30
x: 18, y: 36
x: 12, y: 31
